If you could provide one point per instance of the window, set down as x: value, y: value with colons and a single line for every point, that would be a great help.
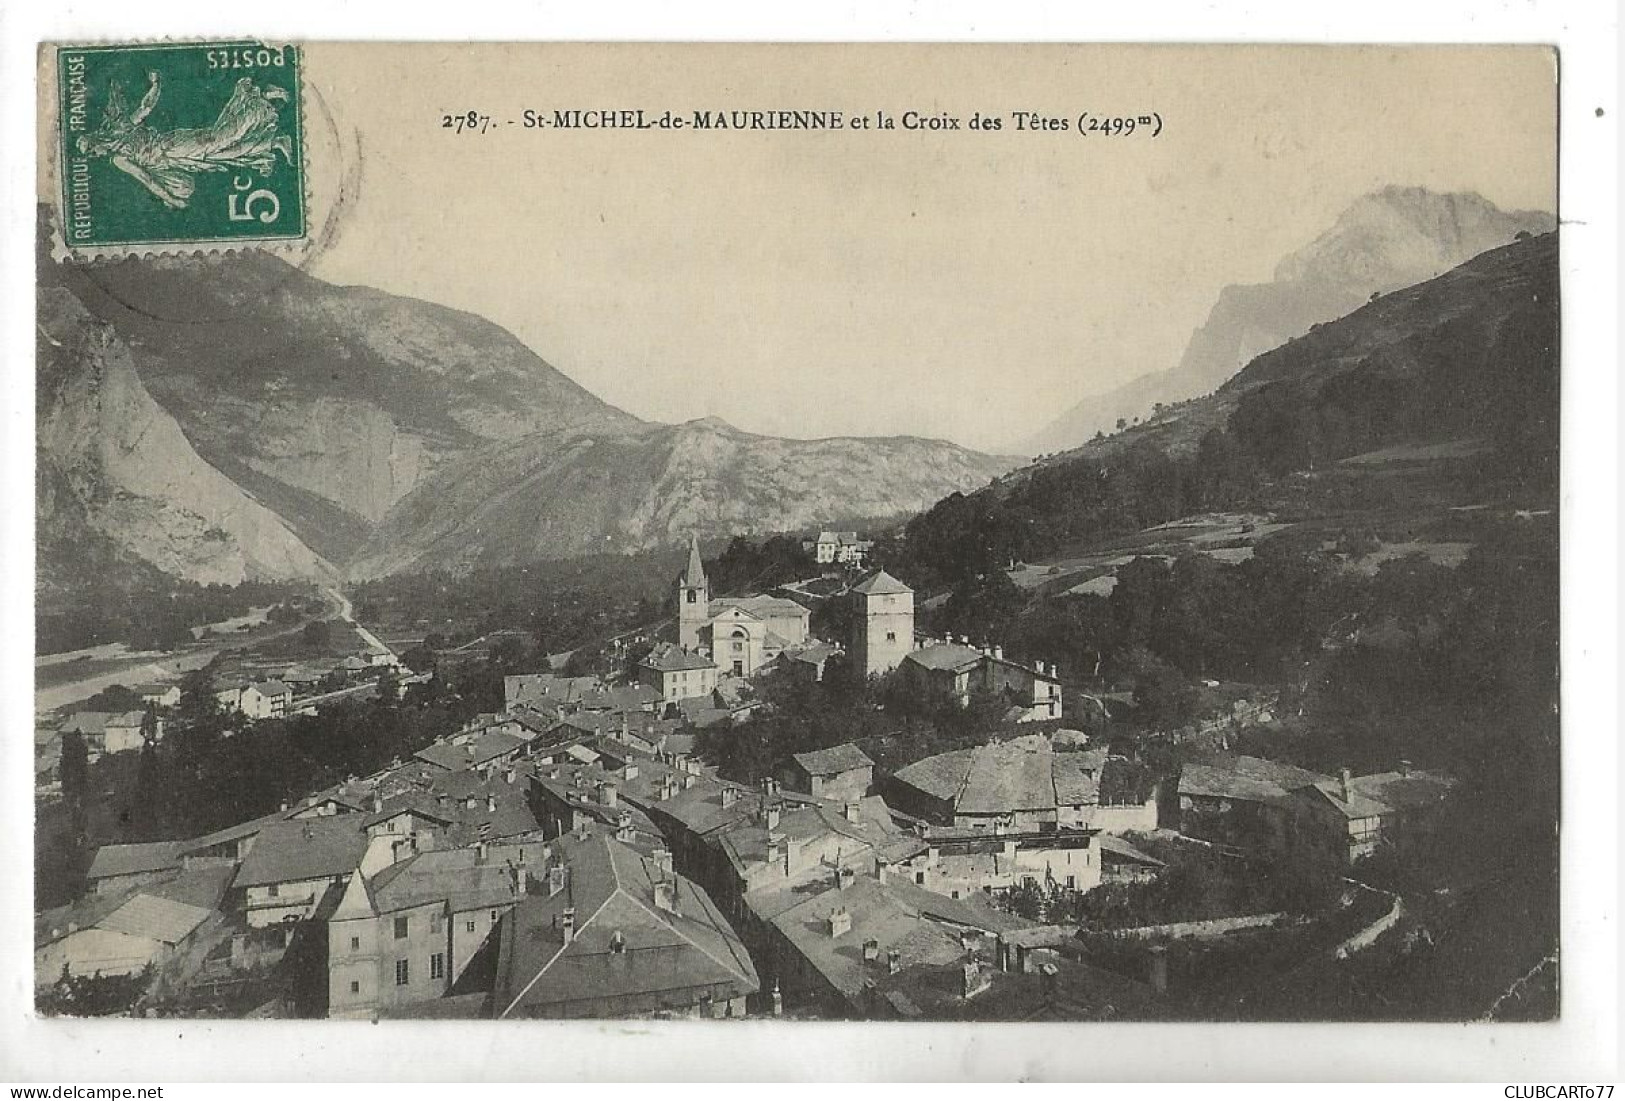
x: 271, y: 891
x: 355, y: 987
x: 1071, y: 882
x: 919, y: 877
x: 692, y: 595
x: 891, y: 636
x: 355, y: 944
x: 402, y: 973
x: 493, y: 915
x: 400, y: 928
x: 471, y: 927
x: 437, y: 966
x: 434, y: 923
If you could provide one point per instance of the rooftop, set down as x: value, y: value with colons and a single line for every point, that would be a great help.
x: 668, y: 657
x: 835, y: 759
x: 625, y: 942
x: 307, y: 848
x: 133, y: 859
x: 880, y: 583
x: 1249, y: 779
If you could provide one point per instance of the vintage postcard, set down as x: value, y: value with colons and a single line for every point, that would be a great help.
x: 912, y: 533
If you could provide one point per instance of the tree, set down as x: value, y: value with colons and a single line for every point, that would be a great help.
x: 317, y: 634
x: 75, y: 768
x: 115, y: 697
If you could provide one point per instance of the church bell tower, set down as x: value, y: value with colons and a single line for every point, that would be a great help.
x: 693, y: 598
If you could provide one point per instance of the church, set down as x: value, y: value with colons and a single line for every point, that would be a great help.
x: 739, y: 634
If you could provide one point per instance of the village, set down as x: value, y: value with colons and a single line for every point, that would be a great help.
x: 576, y: 853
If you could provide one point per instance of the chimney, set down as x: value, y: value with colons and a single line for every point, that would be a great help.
x: 1404, y: 767
x: 778, y: 1000
x: 662, y: 860
x: 770, y: 815
x: 481, y: 852
x: 441, y: 798
x: 1159, y: 969
x: 775, y: 848
x: 521, y: 884
x: 557, y: 876
x: 623, y: 829
x: 567, y: 924
x: 792, y: 854
x: 871, y: 950
x: 509, y: 774
x: 1343, y: 783
x: 730, y: 796
x: 630, y: 772
x: 666, y: 896
x: 894, y: 961
x: 581, y: 829
x: 844, y: 878
x: 998, y: 652
x: 608, y: 794
x: 377, y: 802
x: 840, y: 921
x: 283, y: 807
x: 490, y: 803
x: 964, y: 640
x: 852, y: 811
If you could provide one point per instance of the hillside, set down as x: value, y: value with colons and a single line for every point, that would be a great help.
x: 639, y: 487
x: 1389, y: 239
x: 1432, y: 399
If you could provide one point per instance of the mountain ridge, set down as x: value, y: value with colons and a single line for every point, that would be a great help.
x: 1390, y: 238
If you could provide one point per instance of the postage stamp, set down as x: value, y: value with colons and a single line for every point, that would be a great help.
x: 180, y: 143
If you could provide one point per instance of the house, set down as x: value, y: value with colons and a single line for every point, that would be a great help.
x: 842, y: 548
x: 1351, y: 817
x: 842, y: 773
x: 965, y: 864
x: 117, y: 868
x: 678, y: 674
x: 1024, y: 785
x: 961, y: 670
x: 739, y: 634
x: 159, y: 695
x: 808, y: 661
x: 618, y: 934
x: 883, y: 627
x: 124, y: 932
x: 268, y: 699
x: 1121, y: 862
x: 1232, y: 799
x: 486, y: 749
x: 409, y: 933
x: 293, y: 864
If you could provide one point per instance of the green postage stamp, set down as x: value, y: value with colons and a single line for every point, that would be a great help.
x: 180, y: 143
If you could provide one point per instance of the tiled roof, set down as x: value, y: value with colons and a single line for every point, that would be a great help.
x: 488, y: 746
x: 946, y: 657
x: 159, y: 919
x: 942, y: 776
x: 1386, y: 792
x: 880, y: 583
x: 1026, y: 774
x: 612, y: 890
x: 835, y: 759
x: 148, y: 856
x: 455, y: 876
x: 308, y: 848
x: 671, y: 658
x: 1248, y: 779
x: 271, y: 688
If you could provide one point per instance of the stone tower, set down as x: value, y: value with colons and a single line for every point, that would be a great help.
x: 884, y: 625
x: 693, y: 598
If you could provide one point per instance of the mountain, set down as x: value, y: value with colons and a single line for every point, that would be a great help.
x: 119, y: 485
x: 230, y: 416
x: 1469, y: 356
x: 329, y: 404
x: 636, y: 487
x: 1388, y: 239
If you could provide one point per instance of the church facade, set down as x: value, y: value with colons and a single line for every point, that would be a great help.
x: 738, y: 634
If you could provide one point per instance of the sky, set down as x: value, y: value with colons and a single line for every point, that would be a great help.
x: 964, y: 284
